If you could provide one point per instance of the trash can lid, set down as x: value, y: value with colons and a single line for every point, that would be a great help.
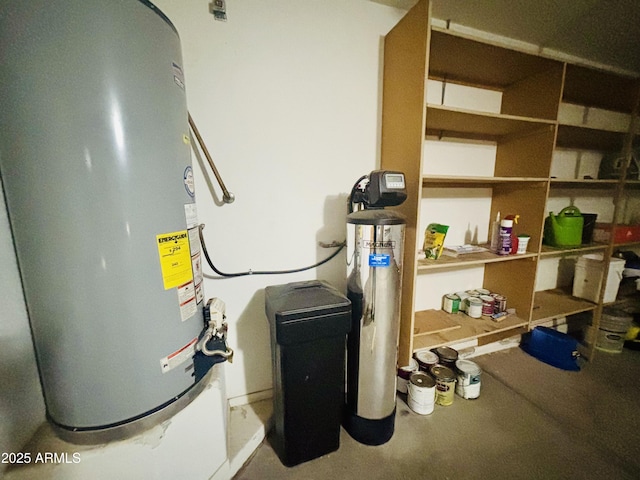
x: 302, y: 311
x: 302, y: 299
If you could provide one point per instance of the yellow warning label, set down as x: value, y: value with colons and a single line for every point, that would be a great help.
x: 175, y: 258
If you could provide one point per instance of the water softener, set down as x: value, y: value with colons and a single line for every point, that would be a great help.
x: 375, y: 240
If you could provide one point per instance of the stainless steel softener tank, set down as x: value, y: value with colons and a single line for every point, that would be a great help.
x: 375, y: 241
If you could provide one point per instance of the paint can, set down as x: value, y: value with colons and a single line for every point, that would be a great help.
x: 447, y: 356
x: 488, y: 303
x: 463, y: 296
x: 474, y: 307
x: 404, y: 373
x: 468, y: 385
x: 445, y: 384
x: 451, y: 303
x: 426, y: 359
x: 500, y: 303
x: 483, y: 291
x: 422, y: 393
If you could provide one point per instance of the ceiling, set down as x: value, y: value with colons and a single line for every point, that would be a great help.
x: 600, y: 31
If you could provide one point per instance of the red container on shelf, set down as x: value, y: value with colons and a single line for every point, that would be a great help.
x: 621, y: 233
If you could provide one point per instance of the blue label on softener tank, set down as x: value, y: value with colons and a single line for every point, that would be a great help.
x: 379, y: 260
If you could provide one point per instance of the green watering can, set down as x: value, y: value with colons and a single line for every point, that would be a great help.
x: 564, y: 229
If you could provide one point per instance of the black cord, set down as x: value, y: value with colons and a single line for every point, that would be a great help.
x: 267, y: 272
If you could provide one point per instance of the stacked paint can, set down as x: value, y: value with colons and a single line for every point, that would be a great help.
x: 447, y: 356
x: 404, y: 374
x: 468, y: 384
x: 426, y: 359
x: 422, y: 393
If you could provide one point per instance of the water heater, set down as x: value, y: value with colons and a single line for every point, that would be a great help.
x: 96, y: 168
x: 375, y: 242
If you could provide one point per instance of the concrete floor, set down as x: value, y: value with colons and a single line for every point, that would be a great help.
x: 532, y: 421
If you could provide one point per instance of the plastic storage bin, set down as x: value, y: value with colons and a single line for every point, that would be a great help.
x: 588, y: 278
x: 552, y: 347
x: 309, y: 322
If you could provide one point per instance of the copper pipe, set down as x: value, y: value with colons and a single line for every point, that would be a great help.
x: 227, y: 196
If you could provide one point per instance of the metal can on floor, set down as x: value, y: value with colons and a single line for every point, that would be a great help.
x: 445, y: 384
x: 422, y: 393
x: 468, y: 384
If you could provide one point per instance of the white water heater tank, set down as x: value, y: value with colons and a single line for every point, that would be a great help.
x: 96, y: 167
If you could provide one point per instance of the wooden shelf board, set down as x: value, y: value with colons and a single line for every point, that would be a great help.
x: 467, y: 260
x: 556, y: 303
x: 587, y: 86
x: 461, y: 181
x: 585, y: 138
x: 626, y: 244
x: 583, y: 183
x: 457, y: 59
x: 548, y: 251
x: 468, y: 328
x: 452, y: 122
x: 433, y: 321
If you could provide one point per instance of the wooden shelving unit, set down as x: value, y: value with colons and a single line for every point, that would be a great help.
x: 525, y: 133
x: 616, y: 95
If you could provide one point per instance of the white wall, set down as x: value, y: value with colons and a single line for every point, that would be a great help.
x: 286, y: 94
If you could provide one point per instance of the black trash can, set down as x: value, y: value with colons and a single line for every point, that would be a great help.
x: 309, y: 322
